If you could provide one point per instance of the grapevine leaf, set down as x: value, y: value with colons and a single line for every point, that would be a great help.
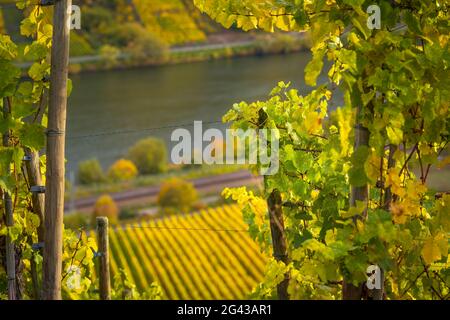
x: 32, y: 136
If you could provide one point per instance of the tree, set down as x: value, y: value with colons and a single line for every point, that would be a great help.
x: 149, y: 155
x: 106, y: 207
x: 90, y: 171
x: 122, y: 170
x: 143, y: 45
x: 178, y: 195
x: 395, y: 82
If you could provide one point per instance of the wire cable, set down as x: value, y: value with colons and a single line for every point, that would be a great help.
x: 130, y: 131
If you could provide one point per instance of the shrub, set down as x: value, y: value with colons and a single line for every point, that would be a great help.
x: 122, y: 170
x: 149, y: 155
x: 143, y: 45
x: 177, y: 194
x: 79, y: 46
x: 98, y: 22
x: 90, y: 172
x: 105, y: 207
x: 110, y: 55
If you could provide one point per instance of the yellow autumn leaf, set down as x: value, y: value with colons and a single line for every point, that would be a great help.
x: 395, y: 135
x: 394, y: 181
x: 283, y: 23
x: 266, y: 24
x: 313, y: 122
x: 435, y: 248
x: 413, y: 207
x: 315, y: 194
x: 354, y: 39
x: 354, y: 211
x: 415, y: 189
x: 360, y: 226
x: 345, y: 127
x: 372, y: 167
x: 399, y: 213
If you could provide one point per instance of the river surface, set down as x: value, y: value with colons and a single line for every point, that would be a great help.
x: 109, y: 111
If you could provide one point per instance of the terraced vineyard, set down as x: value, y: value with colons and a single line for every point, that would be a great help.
x: 206, y: 255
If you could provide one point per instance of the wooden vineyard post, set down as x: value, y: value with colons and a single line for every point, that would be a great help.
x: 278, y: 239
x: 34, y: 175
x: 35, y: 179
x: 9, y: 220
x: 103, y: 251
x: 33, y: 169
x: 54, y: 200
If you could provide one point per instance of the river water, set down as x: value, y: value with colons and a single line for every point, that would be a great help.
x: 109, y: 111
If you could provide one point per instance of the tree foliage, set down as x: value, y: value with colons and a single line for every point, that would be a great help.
x: 395, y: 82
x: 122, y: 170
x: 90, y: 172
x: 105, y: 206
x: 178, y: 195
x: 149, y: 155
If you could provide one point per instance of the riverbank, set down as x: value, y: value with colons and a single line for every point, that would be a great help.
x: 214, y: 49
x: 110, y: 111
x: 260, y: 45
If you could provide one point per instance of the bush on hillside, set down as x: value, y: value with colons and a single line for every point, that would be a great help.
x: 142, y: 44
x: 149, y: 156
x: 79, y: 46
x: 98, y: 22
x: 110, y: 55
x: 177, y: 194
x: 90, y: 172
x: 105, y: 207
x: 122, y: 170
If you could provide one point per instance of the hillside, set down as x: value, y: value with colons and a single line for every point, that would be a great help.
x: 173, y: 20
x: 206, y: 255
x: 105, y: 22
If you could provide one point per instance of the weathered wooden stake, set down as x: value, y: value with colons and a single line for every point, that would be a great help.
x: 54, y: 200
x: 103, y: 249
x: 34, y: 175
x: 278, y: 239
x: 9, y: 215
